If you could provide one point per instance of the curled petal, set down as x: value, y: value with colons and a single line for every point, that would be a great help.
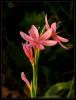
x: 62, y: 39
x: 46, y: 35
x: 34, y: 32
x: 23, y: 77
x: 62, y: 45
x: 46, y: 23
x: 49, y: 43
x: 25, y: 36
x: 28, y: 51
x: 53, y: 26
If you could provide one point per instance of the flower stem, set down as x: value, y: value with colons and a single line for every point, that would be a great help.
x: 34, y: 81
x: 33, y: 89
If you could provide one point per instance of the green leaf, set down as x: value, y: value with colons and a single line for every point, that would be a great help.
x: 71, y: 91
x: 55, y: 89
x: 52, y: 96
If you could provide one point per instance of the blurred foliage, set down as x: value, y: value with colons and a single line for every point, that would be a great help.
x: 60, y: 90
x: 36, y: 19
x: 56, y: 65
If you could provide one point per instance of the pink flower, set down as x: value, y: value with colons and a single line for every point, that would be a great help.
x: 36, y: 40
x: 28, y: 51
x: 56, y: 37
x: 23, y: 77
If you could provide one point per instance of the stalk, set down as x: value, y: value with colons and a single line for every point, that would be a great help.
x: 33, y: 90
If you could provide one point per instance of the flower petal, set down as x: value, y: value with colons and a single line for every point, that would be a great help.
x: 62, y: 45
x: 49, y: 43
x: 25, y: 36
x: 41, y: 47
x: 28, y: 51
x: 23, y: 77
x: 46, y: 35
x: 46, y: 23
x: 33, y: 43
x: 62, y: 39
x: 53, y: 26
x: 34, y: 32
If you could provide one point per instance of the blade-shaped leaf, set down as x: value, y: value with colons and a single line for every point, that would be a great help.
x: 55, y: 89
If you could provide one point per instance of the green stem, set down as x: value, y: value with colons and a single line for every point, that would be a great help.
x: 33, y: 89
x: 35, y: 72
x: 34, y: 81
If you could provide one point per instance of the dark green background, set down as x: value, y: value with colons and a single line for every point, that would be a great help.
x: 55, y: 63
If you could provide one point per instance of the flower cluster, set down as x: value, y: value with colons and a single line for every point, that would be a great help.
x: 38, y: 41
x: 54, y: 35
